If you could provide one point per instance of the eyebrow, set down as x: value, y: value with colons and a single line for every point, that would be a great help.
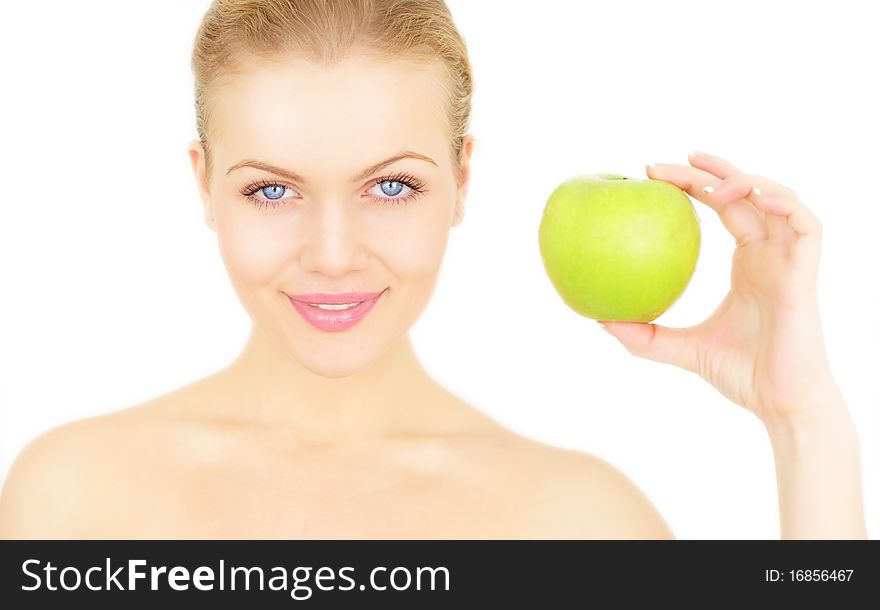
x: 294, y: 177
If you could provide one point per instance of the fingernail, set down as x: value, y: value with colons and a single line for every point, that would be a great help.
x: 756, y: 190
x: 652, y: 164
x: 605, y: 328
x: 694, y: 153
x: 709, y: 189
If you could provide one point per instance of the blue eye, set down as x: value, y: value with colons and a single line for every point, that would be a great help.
x: 396, y: 187
x: 272, y: 193
x: 391, y: 186
x: 276, y: 191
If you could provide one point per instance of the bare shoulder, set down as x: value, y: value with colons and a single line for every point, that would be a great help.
x: 68, y: 482
x: 572, y: 494
x: 592, y: 498
x: 48, y: 480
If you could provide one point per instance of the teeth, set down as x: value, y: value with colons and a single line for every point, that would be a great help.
x: 335, y: 307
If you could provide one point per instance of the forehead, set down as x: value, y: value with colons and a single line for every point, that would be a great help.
x: 299, y: 109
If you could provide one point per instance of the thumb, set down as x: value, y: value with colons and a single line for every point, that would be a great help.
x: 655, y: 342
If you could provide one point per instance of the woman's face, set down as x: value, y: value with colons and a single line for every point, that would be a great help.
x: 301, y: 204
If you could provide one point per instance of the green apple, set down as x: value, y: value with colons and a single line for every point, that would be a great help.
x: 618, y: 248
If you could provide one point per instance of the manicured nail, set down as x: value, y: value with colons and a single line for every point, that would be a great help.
x: 756, y: 190
x: 709, y: 189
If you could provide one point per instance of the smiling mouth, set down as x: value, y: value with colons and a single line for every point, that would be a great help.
x: 338, y: 316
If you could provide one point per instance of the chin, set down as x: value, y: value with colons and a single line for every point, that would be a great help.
x: 337, y: 359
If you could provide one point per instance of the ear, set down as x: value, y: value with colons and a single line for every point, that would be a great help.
x: 464, y: 178
x: 197, y: 158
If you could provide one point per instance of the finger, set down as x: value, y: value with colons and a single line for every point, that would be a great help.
x: 724, y: 169
x: 788, y: 221
x: 712, y: 164
x: 806, y: 228
x: 675, y: 346
x: 777, y: 228
x: 778, y: 231
x: 739, y: 217
x: 800, y: 219
x: 733, y: 190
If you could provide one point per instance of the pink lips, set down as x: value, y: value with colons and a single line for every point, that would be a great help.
x: 334, y: 320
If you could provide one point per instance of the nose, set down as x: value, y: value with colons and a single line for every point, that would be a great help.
x: 332, y: 240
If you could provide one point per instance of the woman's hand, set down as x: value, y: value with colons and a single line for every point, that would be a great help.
x: 762, y: 347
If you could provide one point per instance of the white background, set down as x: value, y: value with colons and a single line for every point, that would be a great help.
x: 113, y: 290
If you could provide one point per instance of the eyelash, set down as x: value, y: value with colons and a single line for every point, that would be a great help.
x: 415, y: 185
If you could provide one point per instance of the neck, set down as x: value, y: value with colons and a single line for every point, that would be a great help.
x: 391, y: 395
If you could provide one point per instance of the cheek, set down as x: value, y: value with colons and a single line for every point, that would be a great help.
x: 249, y: 256
x: 415, y: 243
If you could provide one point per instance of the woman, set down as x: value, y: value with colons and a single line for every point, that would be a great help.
x: 333, y: 158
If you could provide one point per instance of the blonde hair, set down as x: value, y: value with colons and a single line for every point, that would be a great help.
x: 322, y: 31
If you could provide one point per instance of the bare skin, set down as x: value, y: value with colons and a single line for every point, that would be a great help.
x: 184, y: 466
